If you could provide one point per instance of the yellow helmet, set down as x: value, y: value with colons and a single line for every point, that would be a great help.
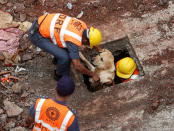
x: 95, y: 37
x: 125, y: 67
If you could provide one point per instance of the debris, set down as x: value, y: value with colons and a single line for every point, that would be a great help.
x: 15, y: 78
x: 2, y: 56
x: 141, y: 8
x: 155, y: 104
x: 3, y: 80
x: 19, y: 128
x: 15, y: 58
x: 69, y: 5
x: 17, y: 88
x: 9, y: 40
x: 104, y: 11
x: 3, y: 118
x: 1, y: 111
x: 42, y: 2
x: 25, y: 26
x: 3, y: 1
x: 6, y: 21
x: 5, y: 72
x: 19, y: 7
x: 23, y: 17
x: 38, y: 49
x: 27, y: 57
x: 18, y: 69
x: 25, y: 94
x: 80, y: 14
x: 9, y: 125
x: 163, y: 2
x: 12, y: 109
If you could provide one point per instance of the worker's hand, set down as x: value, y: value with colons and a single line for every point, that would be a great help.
x: 99, y: 49
x: 95, y: 77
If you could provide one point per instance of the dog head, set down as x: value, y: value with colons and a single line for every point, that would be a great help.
x: 104, y: 60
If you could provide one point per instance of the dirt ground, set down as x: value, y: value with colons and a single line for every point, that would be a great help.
x: 129, y: 106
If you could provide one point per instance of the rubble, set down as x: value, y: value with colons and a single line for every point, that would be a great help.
x: 2, y: 56
x: 17, y: 88
x: 3, y: 118
x: 19, y: 128
x: 80, y: 14
x: 25, y: 94
x: 27, y: 57
x: 24, y: 26
x: 1, y: 111
x: 9, y: 126
x: 3, y: 1
x: 23, y: 17
x: 6, y: 20
x: 12, y: 109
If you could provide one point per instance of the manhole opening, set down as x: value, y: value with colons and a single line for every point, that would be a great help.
x: 120, y: 49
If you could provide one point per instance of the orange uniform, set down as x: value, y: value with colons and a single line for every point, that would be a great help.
x: 61, y: 28
x: 51, y: 116
x: 134, y: 76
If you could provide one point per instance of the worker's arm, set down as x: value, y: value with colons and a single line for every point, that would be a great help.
x: 74, y: 126
x: 78, y: 66
x: 74, y: 55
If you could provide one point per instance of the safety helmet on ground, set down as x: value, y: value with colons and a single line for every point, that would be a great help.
x: 95, y: 37
x: 125, y: 67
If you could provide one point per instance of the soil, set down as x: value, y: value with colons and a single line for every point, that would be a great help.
x: 39, y: 75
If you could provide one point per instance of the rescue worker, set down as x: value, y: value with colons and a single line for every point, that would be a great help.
x: 126, y: 69
x: 61, y: 36
x: 54, y: 114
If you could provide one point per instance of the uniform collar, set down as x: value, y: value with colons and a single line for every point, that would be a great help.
x: 59, y: 102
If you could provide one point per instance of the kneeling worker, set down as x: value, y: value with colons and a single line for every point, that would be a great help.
x: 53, y: 114
x: 126, y: 69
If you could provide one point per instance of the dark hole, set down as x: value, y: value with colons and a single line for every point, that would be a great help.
x: 118, y: 54
x: 120, y: 48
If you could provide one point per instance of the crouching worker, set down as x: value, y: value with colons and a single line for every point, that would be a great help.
x: 61, y: 36
x: 126, y: 69
x: 53, y: 114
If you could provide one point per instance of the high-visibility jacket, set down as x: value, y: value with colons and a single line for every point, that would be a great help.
x: 61, y: 28
x: 51, y: 116
x: 134, y: 76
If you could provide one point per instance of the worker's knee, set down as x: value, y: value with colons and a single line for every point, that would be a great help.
x: 63, y: 60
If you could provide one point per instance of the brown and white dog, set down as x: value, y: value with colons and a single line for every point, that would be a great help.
x: 104, y: 66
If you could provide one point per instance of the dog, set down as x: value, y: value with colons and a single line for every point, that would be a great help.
x: 104, y: 66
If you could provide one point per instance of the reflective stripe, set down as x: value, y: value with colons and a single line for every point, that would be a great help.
x: 38, y: 108
x: 48, y: 126
x: 52, y: 25
x: 66, y: 120
x: 73, y: 35
x: 134, y: 76
x: 36, y: 128
x: 63, y: 29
